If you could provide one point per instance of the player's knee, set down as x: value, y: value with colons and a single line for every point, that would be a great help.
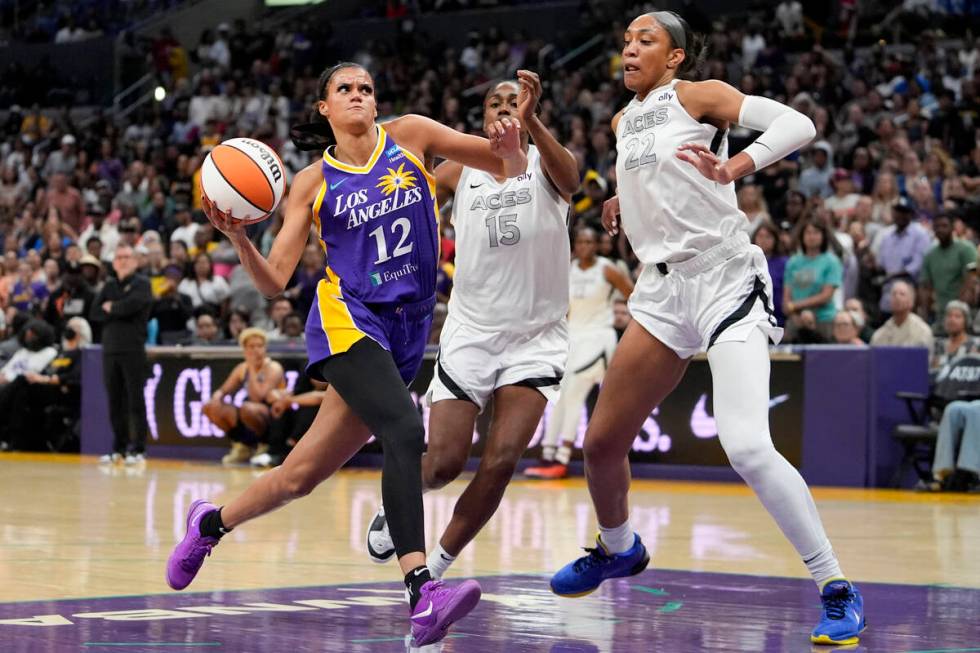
x: 404, y: 436
x: 599, y: 448
x: 500, y: 465
x: 211, y: 409
x: 747, y: 458
x: 444, y: 469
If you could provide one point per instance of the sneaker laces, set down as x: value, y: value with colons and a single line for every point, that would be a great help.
x: 835, y: 605
x: 193, y: 560
x: 597, y: 557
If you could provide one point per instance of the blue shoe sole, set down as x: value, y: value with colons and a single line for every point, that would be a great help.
x: 634, y: 570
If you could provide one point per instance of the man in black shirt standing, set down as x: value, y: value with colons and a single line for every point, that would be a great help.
x: 123, y: 306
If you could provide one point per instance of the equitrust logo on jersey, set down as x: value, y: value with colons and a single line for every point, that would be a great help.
x: 381, y: 278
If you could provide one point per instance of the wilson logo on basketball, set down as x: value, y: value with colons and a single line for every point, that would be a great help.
x: 244, y: 177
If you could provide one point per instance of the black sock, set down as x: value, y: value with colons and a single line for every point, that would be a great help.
x: 414, y: 580
x: 211, y: 525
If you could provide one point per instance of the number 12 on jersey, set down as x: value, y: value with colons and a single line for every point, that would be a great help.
x: 404, y: 227
x: 505, y: 225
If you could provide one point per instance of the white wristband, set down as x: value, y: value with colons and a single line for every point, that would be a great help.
x: 785, y: 130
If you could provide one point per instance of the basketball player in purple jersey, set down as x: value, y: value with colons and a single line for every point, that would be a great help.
x: 373, y: 201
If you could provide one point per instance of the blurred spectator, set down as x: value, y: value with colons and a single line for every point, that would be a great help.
x: 67, y: 200
x: 302, y: 287
x: 753, y: 205
x: 206, y: 330
x: 185, y: 229
x: 847, y: 327
x: 173, y: 309
x: 27, y: 294
x: 904, y: 328
x: 72, y: 298
x: 944, y: 268
x: 246, y: 426
x: 844, y: 200
x: 43, y: 399
x: 293, y: 326
x: 204, y: 287
x: 621, y: 317
x: 812, y: 275
x: 63, y: 160
x: 957, y: 341
x: 766, y: 238
x: 956, y: 463
x: 900, y: 251
x: 856, y: 308
x: 123, y: 308
x: 36, y: 351
x: 815, y: 178
x: 278, y: 310
x: 237, y: 322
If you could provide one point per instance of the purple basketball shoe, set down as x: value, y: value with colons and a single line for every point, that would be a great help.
x: 188, y: 556
x: 439, y: 607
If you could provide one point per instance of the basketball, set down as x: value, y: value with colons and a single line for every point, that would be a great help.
x: 244, y: 177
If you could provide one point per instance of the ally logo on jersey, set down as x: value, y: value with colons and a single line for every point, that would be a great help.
x: 399, y: 187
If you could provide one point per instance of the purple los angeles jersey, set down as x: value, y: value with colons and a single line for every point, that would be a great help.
x: 379, y: 227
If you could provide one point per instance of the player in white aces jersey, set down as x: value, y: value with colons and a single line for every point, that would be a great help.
x: 593, y: 281
x: 505, y: 336
x: 703, y: 287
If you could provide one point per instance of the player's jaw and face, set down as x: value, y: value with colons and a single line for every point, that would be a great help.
x: 350, y: 104
x: 254, y: 350
x: 501, y: 103
x: 586, y: 246
x: 648, y: 55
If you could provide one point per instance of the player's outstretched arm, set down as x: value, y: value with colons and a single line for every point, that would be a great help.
x: 559, y: 164
x: 500, y: 155
x: 785, y: 130
x: 272, y: 275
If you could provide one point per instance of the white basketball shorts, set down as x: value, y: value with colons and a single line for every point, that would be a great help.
x: 474, y: 361
x: 718, y: 296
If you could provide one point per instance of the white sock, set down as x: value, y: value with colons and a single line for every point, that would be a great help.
x: 548, y: 452
x: 823, y: 565
x: 438, y: 562
x: 619, y: 539
x: 564, y: 453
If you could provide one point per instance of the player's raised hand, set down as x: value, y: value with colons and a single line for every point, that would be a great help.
x: 529, y: 94
x: 705, y: 161
x: 610, y: 215
x: 505, y: 137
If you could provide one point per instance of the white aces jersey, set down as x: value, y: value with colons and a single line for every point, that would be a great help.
x: 590, y: 296
x: 512, y: 250
x: 670, y: 211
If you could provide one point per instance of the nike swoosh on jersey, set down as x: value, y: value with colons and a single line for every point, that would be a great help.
x: 426, y: 613
x: 336, y: 185
x: 475, y: 186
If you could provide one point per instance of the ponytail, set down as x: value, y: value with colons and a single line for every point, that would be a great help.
x: 317, y: 135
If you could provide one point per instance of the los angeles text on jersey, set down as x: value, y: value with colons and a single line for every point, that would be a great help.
x: 359, y: 214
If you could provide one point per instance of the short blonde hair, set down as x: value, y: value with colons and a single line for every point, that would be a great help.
x: 252, y: 332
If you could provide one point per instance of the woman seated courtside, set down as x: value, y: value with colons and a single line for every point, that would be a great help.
x: 247, y: 426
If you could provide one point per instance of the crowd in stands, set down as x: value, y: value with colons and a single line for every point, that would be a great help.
x: 871, y: 232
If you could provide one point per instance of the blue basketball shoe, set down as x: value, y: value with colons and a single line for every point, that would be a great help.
x: 843, y: 614
x: 584, y: 575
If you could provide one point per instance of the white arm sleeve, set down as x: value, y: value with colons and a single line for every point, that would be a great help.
x: 785, y: 130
